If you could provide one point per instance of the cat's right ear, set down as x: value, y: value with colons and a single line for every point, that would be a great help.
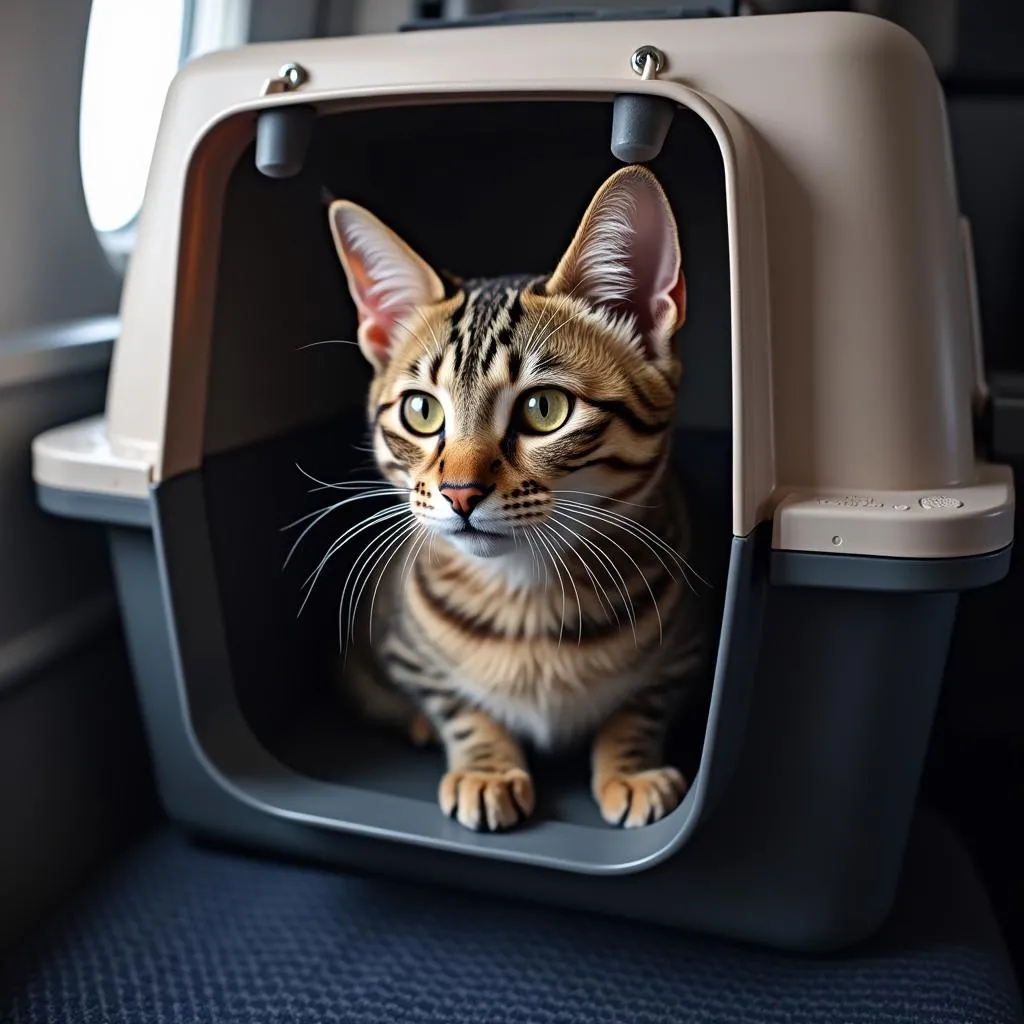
x: 626, y: 258
x: 386, y: 279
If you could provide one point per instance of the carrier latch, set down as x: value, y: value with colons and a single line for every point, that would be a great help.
x: 640, y: 121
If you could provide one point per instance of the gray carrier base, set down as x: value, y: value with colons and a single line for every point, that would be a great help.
x: 788, y: 856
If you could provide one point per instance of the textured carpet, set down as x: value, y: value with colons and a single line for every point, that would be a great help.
x: 175, y: 933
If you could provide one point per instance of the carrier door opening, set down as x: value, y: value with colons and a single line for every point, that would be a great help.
x: 478, y: 189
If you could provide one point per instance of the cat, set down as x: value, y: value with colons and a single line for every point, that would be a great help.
x: 525, y: 424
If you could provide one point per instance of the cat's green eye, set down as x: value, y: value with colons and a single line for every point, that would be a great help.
x: 422, y: 414
x: 544, y: 410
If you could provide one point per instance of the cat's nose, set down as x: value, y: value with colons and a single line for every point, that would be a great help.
x: 463, y: 498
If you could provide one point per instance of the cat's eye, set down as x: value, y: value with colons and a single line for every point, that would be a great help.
x: 422, y: 414
x: 544, y: 410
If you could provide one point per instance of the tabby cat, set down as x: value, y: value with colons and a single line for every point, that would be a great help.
x: 540, y: 592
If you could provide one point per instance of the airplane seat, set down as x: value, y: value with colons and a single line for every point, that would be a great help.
x: 176, y: 931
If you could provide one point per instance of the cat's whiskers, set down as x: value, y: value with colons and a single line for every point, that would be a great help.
x: 390, y: 544
x: 379, y: 516
x: 544, y: 545
x: 412, y: 334
x: 517, y: 534
x: 339, y: 485
x: 411, y: 557
x: 631, y: 528
x: 361, y: 487
x: 382, y: 517
x: 563, y: 515
x: 356, y: 485
x: 415, y: 541
x: 329, y: 341
x: 557, y: 304
x: 601, y: 497
x: 370, y: 557
x: 534, y: 346
x: 579, y: 604
x: 538, y: 562
x: 361, y: 492
x: 607, y: 563
x: 547, y: 337
x: 376, y: 546
x: 377, y: 543
x: 368, y: 462
x: 642, y: 533
x: 433, y: 334
x: 604, y: 601
x: 643, y: 576
x: 320, y: 514
x: 564, y: 302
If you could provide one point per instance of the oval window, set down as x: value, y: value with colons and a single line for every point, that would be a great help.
x: 132, y: 52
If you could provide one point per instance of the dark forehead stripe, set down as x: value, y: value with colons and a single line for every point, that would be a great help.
x: 487, y: 315
x: 501, y: 329
x: 510, y: 319
x: 487, y: 299
x: 515, y: 364
x: 493, y: 293
x: 435, y: 365
x: 460, y: 320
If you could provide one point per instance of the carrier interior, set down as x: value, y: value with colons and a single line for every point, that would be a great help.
x: 477, y: 188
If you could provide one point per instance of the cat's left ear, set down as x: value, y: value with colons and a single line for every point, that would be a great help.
x: 625, y: 258
x: 387, y: 280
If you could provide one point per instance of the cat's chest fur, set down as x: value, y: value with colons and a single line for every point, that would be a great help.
x: 550, y: 660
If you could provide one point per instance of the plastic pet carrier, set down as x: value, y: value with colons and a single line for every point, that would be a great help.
x: 825, y: 433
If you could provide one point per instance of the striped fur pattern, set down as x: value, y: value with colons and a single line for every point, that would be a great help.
x: 533, y: 586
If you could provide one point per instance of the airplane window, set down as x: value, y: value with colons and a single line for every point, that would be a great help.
x: 132, y: 52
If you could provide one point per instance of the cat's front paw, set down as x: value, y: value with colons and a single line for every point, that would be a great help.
x: 641, y: 798
x: 487, y: 801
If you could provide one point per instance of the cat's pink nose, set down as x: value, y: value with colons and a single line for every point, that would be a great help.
x: 463, y: 498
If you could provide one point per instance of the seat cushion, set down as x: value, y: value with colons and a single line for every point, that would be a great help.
x: 175, y: 932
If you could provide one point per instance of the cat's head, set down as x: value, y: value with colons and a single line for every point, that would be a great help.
x: 493, y: 400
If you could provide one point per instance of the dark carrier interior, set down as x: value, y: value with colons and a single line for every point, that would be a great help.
x: 477, y: 188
